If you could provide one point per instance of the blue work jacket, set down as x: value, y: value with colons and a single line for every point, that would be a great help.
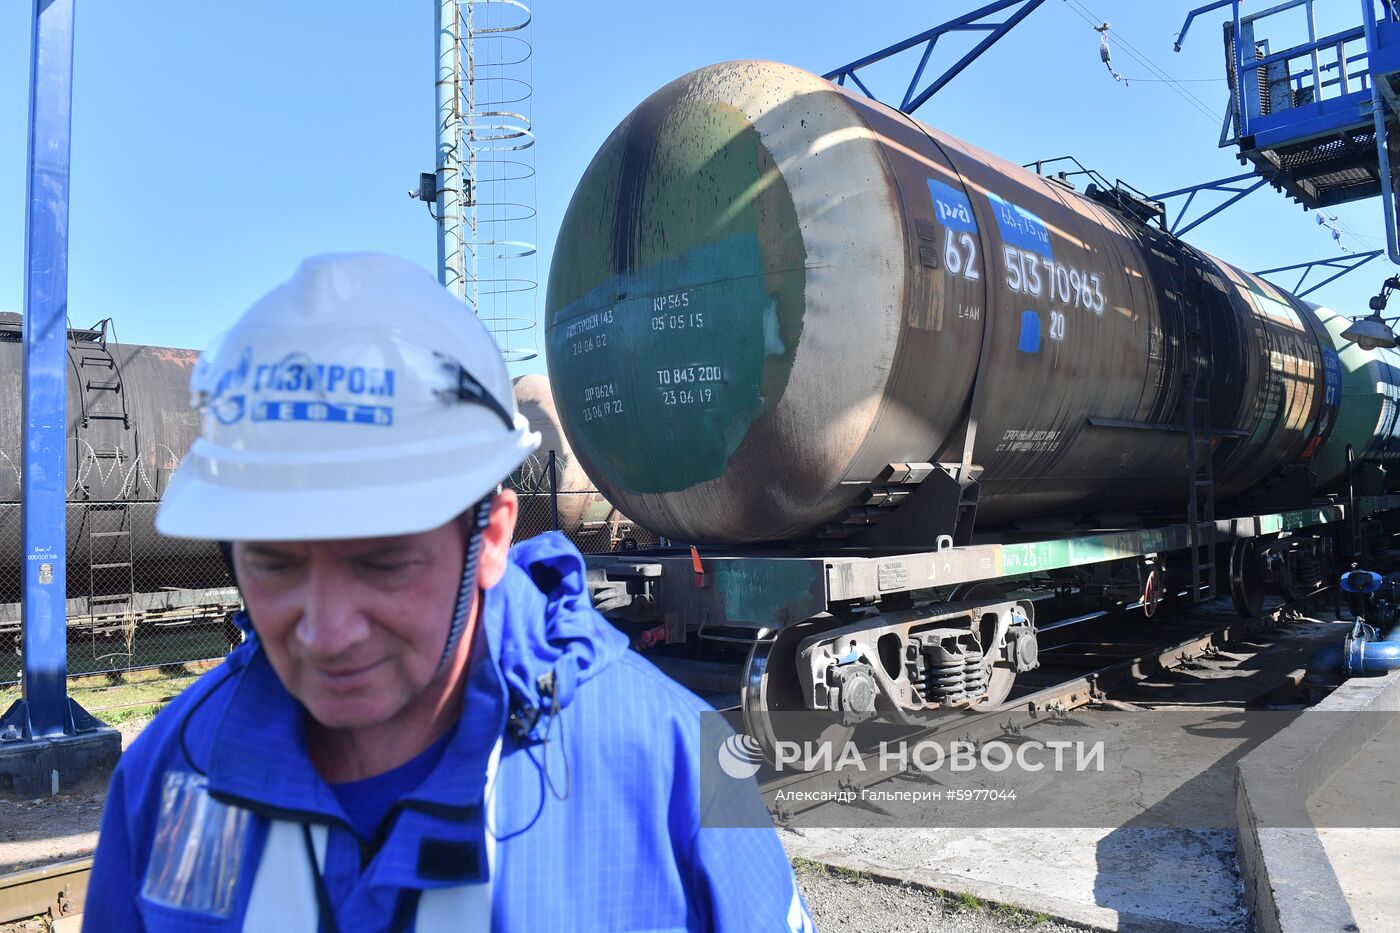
x: 585, y: 818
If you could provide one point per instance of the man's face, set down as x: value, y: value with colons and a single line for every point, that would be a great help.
x: 354, y: 629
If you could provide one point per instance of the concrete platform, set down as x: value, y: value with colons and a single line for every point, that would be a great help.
x: 1366, y: 860
x: 1158, y: 880
x: 1299, y: 879
x: 1091, y: 853
x: 1133, y: 877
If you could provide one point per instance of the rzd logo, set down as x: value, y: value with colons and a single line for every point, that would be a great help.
x: 957, y: 212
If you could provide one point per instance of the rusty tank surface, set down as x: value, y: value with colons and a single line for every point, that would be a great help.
x: 767, y: 290
x: 584, y: 514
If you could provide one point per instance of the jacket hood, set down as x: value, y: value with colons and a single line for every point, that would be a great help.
x: 543, y: 632
x: 544, y: 640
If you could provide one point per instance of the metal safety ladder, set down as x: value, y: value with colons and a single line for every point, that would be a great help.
x: 100, y: 377
x: 111, y: 561
x: 115, y: 570
x: 1200, y: 472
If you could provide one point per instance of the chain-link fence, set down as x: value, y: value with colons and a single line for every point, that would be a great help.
x: 556, y: 495
x: 135, y: 599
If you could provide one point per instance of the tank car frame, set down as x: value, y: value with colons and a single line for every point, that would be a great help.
x: 903, y: 634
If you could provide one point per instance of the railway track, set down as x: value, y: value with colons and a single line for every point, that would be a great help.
x: 1093, y: 685
x: 53, y: 891
x: 57, y: 890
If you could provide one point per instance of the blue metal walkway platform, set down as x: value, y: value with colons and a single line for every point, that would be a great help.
x: 1304, y: 116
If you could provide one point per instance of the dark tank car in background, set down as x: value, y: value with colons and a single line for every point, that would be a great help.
x: 129, y: 424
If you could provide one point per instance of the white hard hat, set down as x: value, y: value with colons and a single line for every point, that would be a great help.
x: 357, y: 400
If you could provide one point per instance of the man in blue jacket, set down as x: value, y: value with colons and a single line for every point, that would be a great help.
x: 424, y: 729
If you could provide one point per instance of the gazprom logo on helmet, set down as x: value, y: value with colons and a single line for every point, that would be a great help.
x: 227, y: 401
x: 299, y: 389
x: 298, y: 374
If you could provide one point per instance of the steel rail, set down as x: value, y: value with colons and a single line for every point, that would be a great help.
x: 55, y: 890
x: 58, y: 889
x: 1056, y: 699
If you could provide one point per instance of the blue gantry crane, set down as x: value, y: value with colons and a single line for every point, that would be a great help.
x: 1316, y: 118
x: 921, y: 87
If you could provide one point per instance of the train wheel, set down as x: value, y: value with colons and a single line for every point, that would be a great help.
x: 771, y: 696
x: 1248, y: 578
x: 1001, y: 677
x: 1153, y: 591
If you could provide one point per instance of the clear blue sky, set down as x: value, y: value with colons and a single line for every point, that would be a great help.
x: 214, y: 145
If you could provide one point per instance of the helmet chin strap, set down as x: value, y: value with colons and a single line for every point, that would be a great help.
x: 479, y: 516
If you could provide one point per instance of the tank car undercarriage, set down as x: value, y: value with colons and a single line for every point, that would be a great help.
x: 902, y: 638
x: 899, y: 665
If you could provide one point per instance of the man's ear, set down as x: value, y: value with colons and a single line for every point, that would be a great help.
x: 496, y: 539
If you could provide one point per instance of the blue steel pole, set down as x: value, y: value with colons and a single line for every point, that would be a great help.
x: 1378, y: 114
x: 44, y: 491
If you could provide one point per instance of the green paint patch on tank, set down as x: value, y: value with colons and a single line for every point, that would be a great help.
x: 1363, y: 404
x: 770, y: 592
x: 676, y: 294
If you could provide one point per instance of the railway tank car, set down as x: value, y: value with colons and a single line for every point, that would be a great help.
x: 587, y: 518
x: 816, y: 341
x: 795, y: 288
x: 129, y: 423
x: 1369, y: 419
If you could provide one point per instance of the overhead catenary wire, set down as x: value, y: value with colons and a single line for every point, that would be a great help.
x: 1329, y: 221
x: 1350, y: 232
x: 1338, y: 227
x: 1164, y: 77
x: 1176, y: 80
x: 1106, y: 53
x: 1159, y: 71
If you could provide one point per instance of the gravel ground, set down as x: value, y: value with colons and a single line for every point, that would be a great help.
x: 51, y: 829
x: 849, y: 902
